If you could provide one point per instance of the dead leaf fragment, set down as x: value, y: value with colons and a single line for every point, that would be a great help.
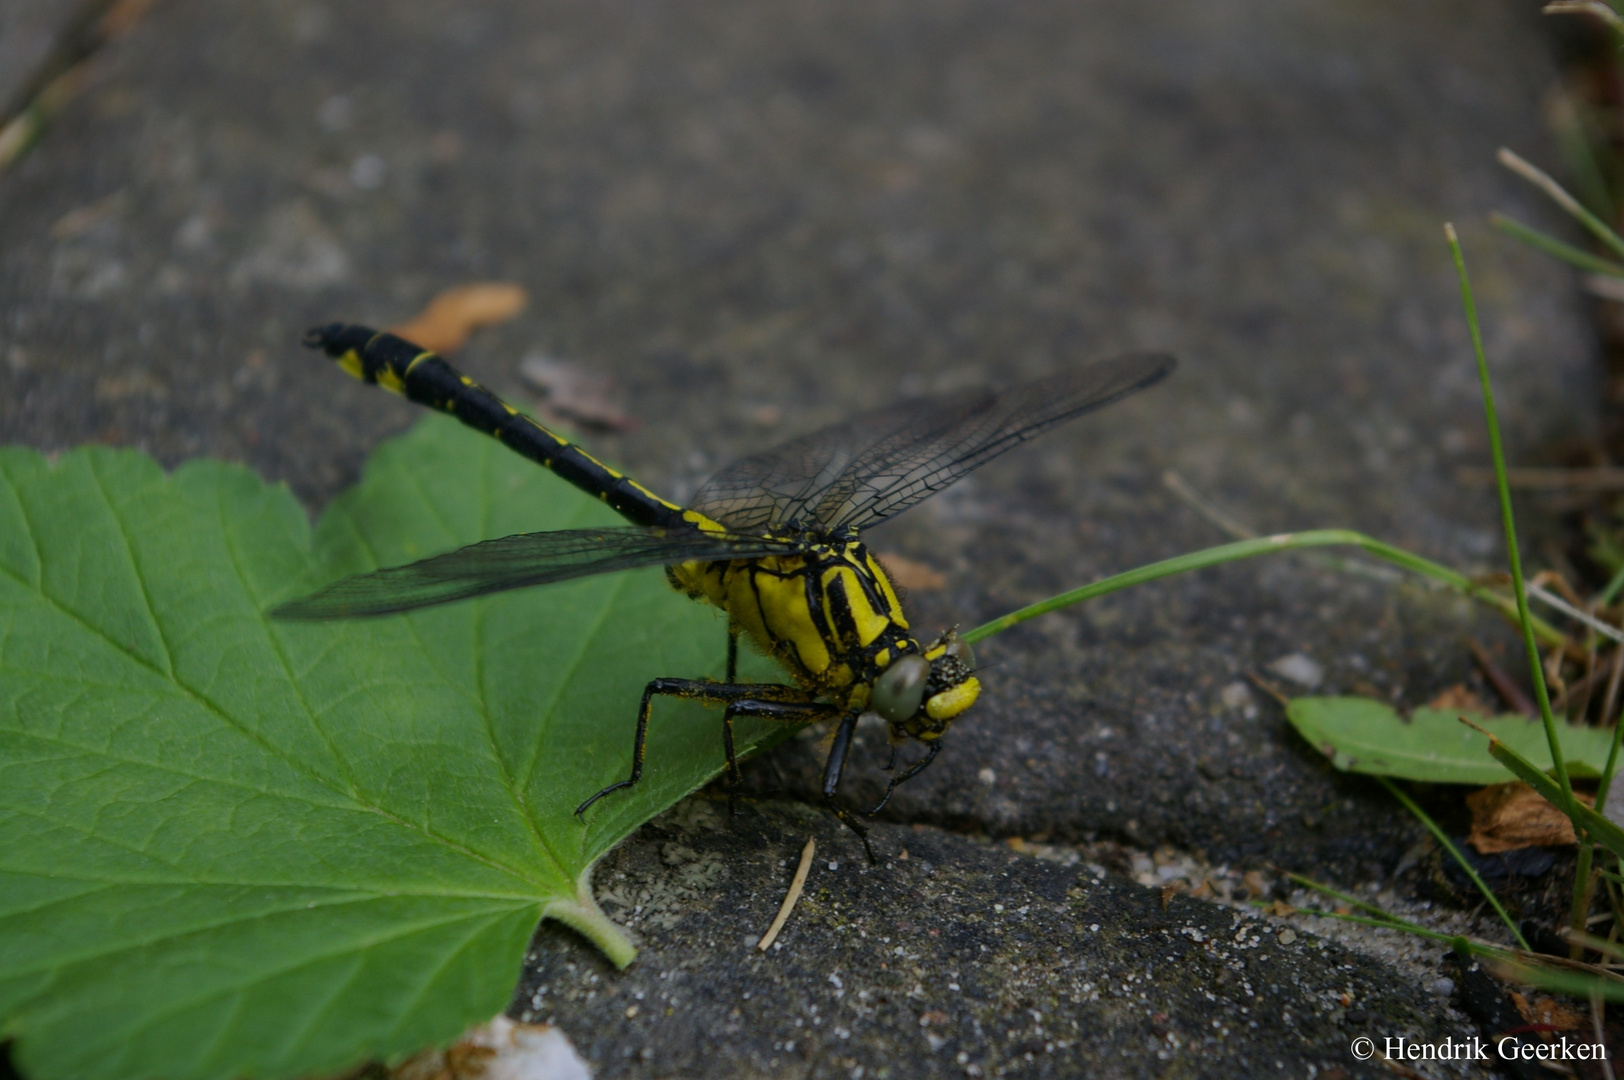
x: 500, y: 1050
x: 75, y: 223
x: 445, y: 324
x: 911, y: 574
x: 1459, y: 698
x: 576, y: 394
x: 1548, y: 1011
x: 1509, y: 816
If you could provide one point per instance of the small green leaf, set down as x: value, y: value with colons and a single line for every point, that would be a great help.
x: 234, y: 847
x: 1366, y: 736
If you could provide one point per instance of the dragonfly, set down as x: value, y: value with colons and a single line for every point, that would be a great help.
x: 773, y: 540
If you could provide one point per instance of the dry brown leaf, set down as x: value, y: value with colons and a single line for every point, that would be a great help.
x: 1458, y: 698
x: 500, y: 1050
x: 75, y: 223
x: 1509, y: 816
x: 1548, y: 1011
x: 573, y: 393
x: 446, y: 323
x: 911, y: 574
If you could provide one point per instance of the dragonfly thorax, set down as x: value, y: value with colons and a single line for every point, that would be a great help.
x: 831, y: 615
x: 825, y: 609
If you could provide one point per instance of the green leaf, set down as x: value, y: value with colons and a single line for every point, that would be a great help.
x: 1366, y: 736
x: 237, y: 847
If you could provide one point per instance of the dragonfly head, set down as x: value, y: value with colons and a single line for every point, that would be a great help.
x: 920, y: 694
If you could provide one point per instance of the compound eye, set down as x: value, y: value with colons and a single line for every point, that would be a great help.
x: 961, y: 652
x: 897, y: 693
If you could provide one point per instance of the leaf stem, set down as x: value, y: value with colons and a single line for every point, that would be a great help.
x: 585, y: 917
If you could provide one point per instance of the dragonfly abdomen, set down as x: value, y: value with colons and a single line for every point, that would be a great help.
x: 423, y: 377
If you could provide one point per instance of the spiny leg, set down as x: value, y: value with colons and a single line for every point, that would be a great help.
x: 831, y: 782
x: 732, y: 652
x: 696, y: 690
x: 788, y: 712
x: 907, y: 774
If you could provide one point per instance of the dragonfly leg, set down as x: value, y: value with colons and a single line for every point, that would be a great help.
x: 831, y: 782
x: 704, y: 690
x: 732, y: 653
x: 907, y: 774
x: 788, y: 712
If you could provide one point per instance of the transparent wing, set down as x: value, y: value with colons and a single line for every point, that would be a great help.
x: 513, y: 562
x: 861, y: 472
x: 781, y: 485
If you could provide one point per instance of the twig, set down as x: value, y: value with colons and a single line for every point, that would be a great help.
x: 1177, y: 485
x: 1591, y: 676
x: 1605, y: 672
x: 1269, y: 688
x: 1550, y: 599
x: 1597, y: 478
x: 1610, y: 702
x: 1509, y: 691
x: 794, y: 894
x: 1597, y: 1005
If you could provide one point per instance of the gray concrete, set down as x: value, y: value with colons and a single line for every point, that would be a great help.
x: 961, y: 959
x: 820, y: 207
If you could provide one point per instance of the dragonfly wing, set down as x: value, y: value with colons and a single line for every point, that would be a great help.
x: 935, y: 451
x: 786, y: 482
x: 875, y: 466
x: 513, y: 562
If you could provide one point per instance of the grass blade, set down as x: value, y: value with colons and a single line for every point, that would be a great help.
x: 1246, y: 549
x: 1559, y: 195
x: 1555, y: 248
x: 1519, y: 587
x: 1449, y: 845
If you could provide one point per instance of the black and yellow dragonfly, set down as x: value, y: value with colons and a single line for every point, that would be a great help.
x: 772, y: 540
